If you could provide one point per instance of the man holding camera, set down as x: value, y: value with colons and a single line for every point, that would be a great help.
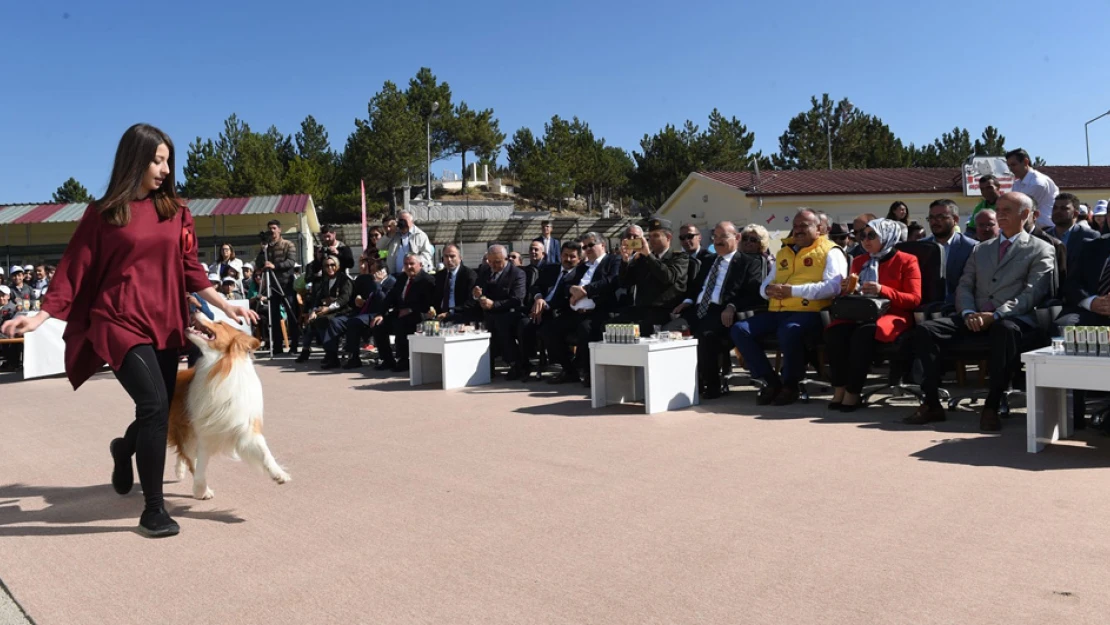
x: 278, y: 258
x: 330, y: 246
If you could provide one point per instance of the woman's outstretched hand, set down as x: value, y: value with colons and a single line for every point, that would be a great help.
x: 23, y: 325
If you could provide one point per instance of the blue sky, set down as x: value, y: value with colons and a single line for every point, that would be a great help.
x: 76, y: 74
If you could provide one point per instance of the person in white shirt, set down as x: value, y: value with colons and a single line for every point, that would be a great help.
x: 1039, y: 187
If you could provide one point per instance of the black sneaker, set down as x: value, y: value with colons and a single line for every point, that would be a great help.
x: 157, y: 524
x: 123, y: 474
x: 353, y: 362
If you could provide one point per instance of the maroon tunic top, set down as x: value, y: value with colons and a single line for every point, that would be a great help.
x: 117, y: 288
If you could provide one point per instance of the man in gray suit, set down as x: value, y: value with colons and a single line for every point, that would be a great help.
x: 1003, y: 280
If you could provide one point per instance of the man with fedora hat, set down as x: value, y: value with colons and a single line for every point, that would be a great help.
x: 658, y: 273
x: 840, y: 235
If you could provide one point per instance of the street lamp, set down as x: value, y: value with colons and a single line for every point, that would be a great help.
x: 1088, y: 138
x: 828, y: 128
x: 428, y: 179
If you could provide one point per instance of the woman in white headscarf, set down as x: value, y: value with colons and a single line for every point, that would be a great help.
x: 884, y: 272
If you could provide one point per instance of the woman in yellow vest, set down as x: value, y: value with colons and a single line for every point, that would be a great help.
x: 803, y: 282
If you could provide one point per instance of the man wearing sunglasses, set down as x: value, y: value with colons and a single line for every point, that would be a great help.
x: 858, y: 226
x: 689, y: 238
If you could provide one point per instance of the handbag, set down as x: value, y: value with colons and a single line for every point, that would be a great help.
x: 859, y: 308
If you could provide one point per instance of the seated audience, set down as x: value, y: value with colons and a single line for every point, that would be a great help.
x: 803, y: 281
x: 514, y: 259
x: 21, y: 291
x: 916, y: 232
x: 990, y: 188
x: 454, y: 285
x: 402, y: 310
x: 326, y: 317
x: 899, y: 212
x: 658, y: 274
x: 1087, y: 300
x: 537, y: 260
x: 498, y: 301
x: 883, y: 272
x: 689, y: 239
x: 754, y: 239
x: 367, y: 292
x: 986, y: 225
x: 1068, y: 228
x: 1060, y: 269
x: 839, y: 235
x: 944, y: 215
x: 858, y: 224
x: 582, y: 315
x: 726, y: 284
x: 548, y: 294
x: 1003, y: 281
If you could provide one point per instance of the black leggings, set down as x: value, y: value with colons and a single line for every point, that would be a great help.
x: 149, y: 377
x: 850, y: 348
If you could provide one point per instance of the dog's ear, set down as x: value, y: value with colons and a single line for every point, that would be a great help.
x: 253, y: 344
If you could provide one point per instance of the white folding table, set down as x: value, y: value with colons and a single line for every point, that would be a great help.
x: 662, y: 374
x: 1048, y: 377
x: 456, y: 361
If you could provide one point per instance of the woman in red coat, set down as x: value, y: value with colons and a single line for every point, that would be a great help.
x: 121, y: 287
x: 884, y: 272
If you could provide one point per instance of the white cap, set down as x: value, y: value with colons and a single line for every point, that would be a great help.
x: 16, y: 269
x: 1084, y: 209
x: 5, y: 290
x: 1, y: 271
x: 214, y: 277
x: 248, y: 266
x: 28, y: 267
x: 1100, y: 208
x: 229, y: 279
x: 296, y: 265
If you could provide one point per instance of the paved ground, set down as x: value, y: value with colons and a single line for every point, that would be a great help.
x: 519, y: 504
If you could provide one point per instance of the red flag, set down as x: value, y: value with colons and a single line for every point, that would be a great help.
x: 363, y: 185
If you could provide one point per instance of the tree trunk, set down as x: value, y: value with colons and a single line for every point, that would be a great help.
x: 464, y: 172
x: 392, y: 201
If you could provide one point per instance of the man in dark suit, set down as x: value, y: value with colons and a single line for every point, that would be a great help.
x: 550, y: 244
x: 727, y: 283
x: 689, y: 238
x: 591, y: 297
x: 453, y: 286
x: 1060, y: 251
x: 1004, y: 280
x: 944, y: 216
x: 537, y: 261
x: 403, y: 309
x: 550, y: 292
x: 498, y: 298
x: 1065, y: 217
x: 658, y: 273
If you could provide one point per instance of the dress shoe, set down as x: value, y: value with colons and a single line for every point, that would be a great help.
x: 850, y: 407
x: 303, y: 357
x: 513, y: 374
x: 354, y: 362
x: 924, y: 414
x: 564, y: 378
x: 330, y: 362
x: 401, y: 366
x: 835, y: 405
x: 385, y: 365
x: 710, y: 394
x: 767, y: 394
x: 989, y: 421
x: 788, y: 395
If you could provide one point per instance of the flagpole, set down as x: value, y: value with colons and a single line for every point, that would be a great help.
x: 362, y: 183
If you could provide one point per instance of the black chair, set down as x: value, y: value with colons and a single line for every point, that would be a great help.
x: 931, y: 259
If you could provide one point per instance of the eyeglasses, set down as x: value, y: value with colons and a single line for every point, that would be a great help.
x: 588, y: 245
x: 332, y: 265
x: 871, y: 236
x: 940, y: 217
x: 751, y: 240
x: 687, y: 237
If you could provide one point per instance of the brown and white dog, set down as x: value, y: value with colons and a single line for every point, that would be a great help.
x: 217, y: 406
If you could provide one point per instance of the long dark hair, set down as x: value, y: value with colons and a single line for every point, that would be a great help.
x: 136, y: 150
x: 896, y: 205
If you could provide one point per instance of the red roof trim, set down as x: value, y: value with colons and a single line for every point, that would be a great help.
x: 231, y: 206
x: 39, y: 213
x: 291, y: 204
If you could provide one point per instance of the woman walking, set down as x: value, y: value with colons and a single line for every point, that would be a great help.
x: 118, y: 316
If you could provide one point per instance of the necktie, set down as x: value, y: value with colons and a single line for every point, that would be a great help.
x: 710, y: 286
x: 551, y: 293
x: 446, y: 294
x: 1002, y: 247
x: 1104, y: 279
x: 405, y: 293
